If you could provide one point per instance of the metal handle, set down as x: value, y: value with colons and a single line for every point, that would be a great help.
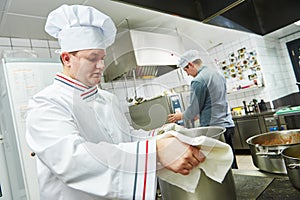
x: 261, y: 151
x: 268, y: 154
x: 293, y: 166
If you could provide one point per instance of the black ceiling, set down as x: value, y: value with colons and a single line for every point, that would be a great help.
x: 257, y: 16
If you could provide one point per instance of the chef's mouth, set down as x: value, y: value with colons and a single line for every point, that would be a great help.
x: 97, y: 74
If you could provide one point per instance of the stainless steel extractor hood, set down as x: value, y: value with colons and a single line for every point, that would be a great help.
x: 145, y: 51
x: 256, y: 16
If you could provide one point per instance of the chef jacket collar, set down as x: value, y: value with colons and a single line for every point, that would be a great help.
x: 85, y: 92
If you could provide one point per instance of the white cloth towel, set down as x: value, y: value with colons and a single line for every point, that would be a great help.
x: 219, y: 157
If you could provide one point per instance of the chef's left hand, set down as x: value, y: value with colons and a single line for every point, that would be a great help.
x: 178, y: 156
x: 175, y: 117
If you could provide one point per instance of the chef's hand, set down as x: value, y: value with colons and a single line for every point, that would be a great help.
x: 177, y: 156
x: 175, y: 117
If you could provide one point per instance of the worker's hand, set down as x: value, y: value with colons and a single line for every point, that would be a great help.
x: 177, y: 156
x: 175, y: 117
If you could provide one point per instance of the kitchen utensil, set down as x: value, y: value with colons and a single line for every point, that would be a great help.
x: 266, y: 149
x: 129, y: 100
x: 206, y: 188
x: 223, y: 63
x: 262, y: 106
x: 136, y: 98
x: 231, y: 55
x: 291, y: 156
x: 242, y: 50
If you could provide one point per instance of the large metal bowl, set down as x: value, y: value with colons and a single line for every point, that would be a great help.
x: 291, y: 156
x: 266, y: 149
x: 206, y: 188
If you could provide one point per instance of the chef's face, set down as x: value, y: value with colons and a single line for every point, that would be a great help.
x: 190, y: 69
x: 87, y: 66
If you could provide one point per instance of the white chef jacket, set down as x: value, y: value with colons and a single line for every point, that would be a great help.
x: 84, y: 145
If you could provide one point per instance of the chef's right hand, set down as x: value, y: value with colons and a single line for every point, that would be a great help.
x: 177, y: 156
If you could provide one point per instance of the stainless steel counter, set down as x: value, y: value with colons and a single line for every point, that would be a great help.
x: 247, y: 126
x: 269, y: 112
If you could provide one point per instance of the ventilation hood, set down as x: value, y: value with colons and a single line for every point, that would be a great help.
x: 255, y: 16
x: 149, y: 53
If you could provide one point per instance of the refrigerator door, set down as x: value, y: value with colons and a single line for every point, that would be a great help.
x: 20, y: 79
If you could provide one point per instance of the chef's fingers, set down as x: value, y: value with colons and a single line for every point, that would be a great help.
x: 175, y: 117
x: 171, y: 115
x: 193, y: 162
x: 191, y: 158
x: 188, y: 166
x: 171, y: 118
x: 184, y: 171
x: 198, y: 155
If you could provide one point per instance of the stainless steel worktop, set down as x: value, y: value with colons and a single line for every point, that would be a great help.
x: 269, y: 112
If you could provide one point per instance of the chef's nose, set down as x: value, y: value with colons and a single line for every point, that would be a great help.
x: 100, y: 64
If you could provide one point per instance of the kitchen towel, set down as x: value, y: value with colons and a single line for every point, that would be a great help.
x: 218, y: 160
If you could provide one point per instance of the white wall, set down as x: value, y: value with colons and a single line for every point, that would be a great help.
x: 273, y: 56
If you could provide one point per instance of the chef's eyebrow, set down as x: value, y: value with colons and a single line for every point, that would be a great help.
x: 93, y: 56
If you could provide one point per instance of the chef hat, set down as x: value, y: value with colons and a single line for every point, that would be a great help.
x: 188, y: 56
x: 79, y: 27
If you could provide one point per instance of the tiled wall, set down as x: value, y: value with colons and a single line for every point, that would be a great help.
x: 273, y: 56
x: 43, y: 48
x: 277, y: 69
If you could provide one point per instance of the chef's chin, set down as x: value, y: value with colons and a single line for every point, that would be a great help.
x: 96, y: 81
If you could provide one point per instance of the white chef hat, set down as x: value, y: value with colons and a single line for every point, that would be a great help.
x: 79, y: 27
x: 188, y: 56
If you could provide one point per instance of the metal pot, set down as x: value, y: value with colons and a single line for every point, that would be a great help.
x: 291, y: 156
x: 266, y: 149
x: 206, y: 188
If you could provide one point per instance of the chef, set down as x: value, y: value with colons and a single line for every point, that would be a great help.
x: 85, y: 148
x: 208, y: 97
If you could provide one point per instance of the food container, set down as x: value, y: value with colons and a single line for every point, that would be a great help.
x: 206, y: 188
x: 266, y: 149
x: 238, y: 111
x: 291, y: 156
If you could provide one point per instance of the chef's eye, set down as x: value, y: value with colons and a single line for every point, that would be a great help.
x: 92, y: 59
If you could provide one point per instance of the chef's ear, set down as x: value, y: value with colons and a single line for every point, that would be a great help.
x: 65, y: 57
x: 191, y: 64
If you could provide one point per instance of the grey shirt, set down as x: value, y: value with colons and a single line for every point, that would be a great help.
x: 209, y: 99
